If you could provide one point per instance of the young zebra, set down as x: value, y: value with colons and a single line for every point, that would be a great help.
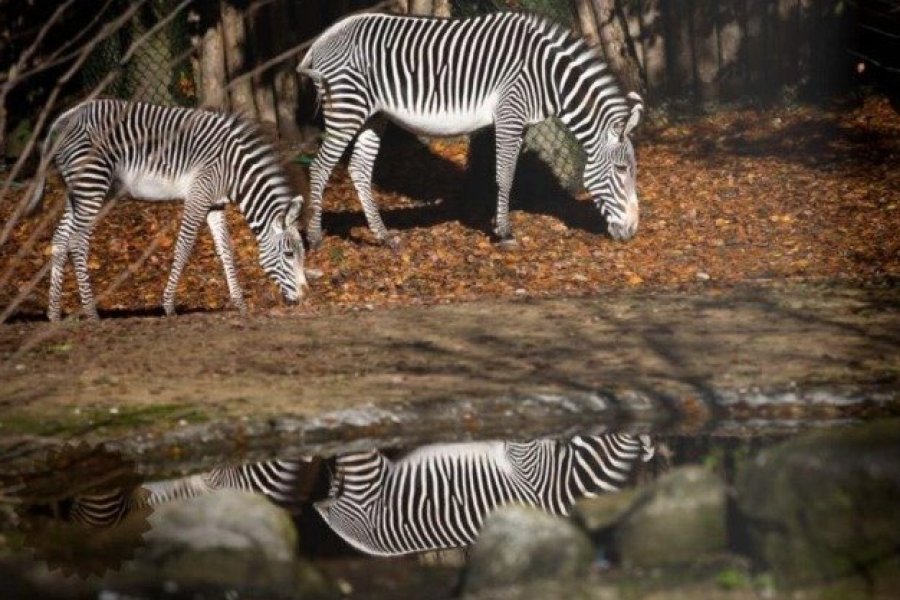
x: 204, y: 158
x: 444, y: 77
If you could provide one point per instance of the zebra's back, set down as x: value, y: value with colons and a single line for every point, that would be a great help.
x: 433, y: 76
x: 157, y: 152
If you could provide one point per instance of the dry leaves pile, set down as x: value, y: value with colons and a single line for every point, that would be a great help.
x: 743, y: 195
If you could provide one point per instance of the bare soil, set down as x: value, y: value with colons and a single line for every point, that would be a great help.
x: 762, y: 352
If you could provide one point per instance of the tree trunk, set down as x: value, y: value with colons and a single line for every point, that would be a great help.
x: 442, y: 8
x: 614, y: 41
x: 235, y: 37
x: 587, y: 22
x: 421, y: 7
x: 212, y: 68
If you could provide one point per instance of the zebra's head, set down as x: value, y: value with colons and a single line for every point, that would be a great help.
x: 611, y: 172
x: 352, y: 509
x: 282, y: 258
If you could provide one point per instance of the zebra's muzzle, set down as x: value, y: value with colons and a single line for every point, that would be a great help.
x: 622, y: 231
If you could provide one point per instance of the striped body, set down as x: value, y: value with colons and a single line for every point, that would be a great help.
x: 454, y: 76
x: 438, y: 497
x: 154, y: 153
x: 278, y: 480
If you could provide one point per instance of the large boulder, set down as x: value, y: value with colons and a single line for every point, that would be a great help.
x: 602, y: 512
x: 824, y: 506
x: 226, y: 540
x: 224, y: 520
x: 519, y: 544
x: 674, y: 520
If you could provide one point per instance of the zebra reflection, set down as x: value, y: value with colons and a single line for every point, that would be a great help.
x: 438, y: 496
x: 280, y: 481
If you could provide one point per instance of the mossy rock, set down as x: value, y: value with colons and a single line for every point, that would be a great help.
x: 823, y: 507
x: 675, y: 520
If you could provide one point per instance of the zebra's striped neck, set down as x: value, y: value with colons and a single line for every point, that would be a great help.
x: 261, y: 193
x: 588, y: 99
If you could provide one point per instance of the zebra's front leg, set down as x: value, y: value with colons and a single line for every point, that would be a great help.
x: 194, y: 213
x: 509, y: 132
x: 332, y: 149
x: 362, y: 163
x: 215, y: 218
x: 59, y: 257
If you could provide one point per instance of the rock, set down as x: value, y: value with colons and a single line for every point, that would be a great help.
x: 225, y: 520
x: 674, y: 520
x: 224, y: 542
x: 519, y: 544
x: 603, y: 511
x: 824, y: 506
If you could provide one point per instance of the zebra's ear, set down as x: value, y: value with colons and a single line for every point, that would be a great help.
x: 293, y: 212
x: 636, y: 109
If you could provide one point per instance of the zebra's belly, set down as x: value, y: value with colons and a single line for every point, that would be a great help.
x: 156, y: 186
x: 443, y: 123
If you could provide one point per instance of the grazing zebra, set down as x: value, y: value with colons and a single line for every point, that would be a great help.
x: 205, y: 158
x: 278, y: 480
x: 438, y: 496
x: 443, y: 77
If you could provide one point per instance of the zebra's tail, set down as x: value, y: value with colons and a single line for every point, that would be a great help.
x: 40, y: 180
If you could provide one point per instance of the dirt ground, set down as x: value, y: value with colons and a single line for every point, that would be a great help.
x: 758, y: 353
x: 763, y: 279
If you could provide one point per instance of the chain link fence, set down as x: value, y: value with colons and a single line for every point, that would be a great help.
x: 550, y: 140
x: 159, y: 71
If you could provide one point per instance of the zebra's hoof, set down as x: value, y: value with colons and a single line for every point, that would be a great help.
x: 508, y: 244
x: 394, y: 242
x: 170, y: 310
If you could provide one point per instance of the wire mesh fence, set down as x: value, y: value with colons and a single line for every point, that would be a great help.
x: 157, y: 71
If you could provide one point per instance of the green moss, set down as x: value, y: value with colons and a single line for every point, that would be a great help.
x: 81, y: 421
x: 732, y: 579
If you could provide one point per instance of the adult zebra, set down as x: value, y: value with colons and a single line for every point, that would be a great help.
x: 444, y: 77
x: 438, y: 496
x: 205, y: 158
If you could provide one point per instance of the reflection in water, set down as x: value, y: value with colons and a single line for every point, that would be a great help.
x: 438, y: 496
x: 434, y: 497
x: 278, y: 480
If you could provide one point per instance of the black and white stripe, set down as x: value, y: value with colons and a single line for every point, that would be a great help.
x: 438, y: 496
x: 278, y: 480
x: 453, y: 76
x: 204, y: 158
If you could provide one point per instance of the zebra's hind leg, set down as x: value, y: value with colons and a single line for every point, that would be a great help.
x: 510, y: 128
x: 215, y: 218
x: 362, y: 162
x: 84, y: 219
x: 58, y: 260
x: 195, y: 211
